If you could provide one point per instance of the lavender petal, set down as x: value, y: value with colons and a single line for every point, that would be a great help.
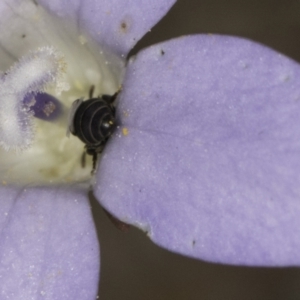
x: 48, y: 246
x: 207, y: 156
x: 115, y: 24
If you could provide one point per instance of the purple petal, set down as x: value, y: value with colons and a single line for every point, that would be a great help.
x: 48, y: 246
x: 207, y: 158
x: 116, y: 24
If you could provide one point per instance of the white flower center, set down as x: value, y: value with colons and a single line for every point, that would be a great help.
x: 52, y: 157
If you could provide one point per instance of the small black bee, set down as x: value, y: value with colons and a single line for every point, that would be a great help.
x: 93, y: 122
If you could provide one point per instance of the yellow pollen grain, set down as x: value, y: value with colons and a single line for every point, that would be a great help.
x: 125, y: 131
x: 4, y: 182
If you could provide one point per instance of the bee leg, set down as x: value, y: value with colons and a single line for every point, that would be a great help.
x: 83, y: 159
x: 110, y: 99
x: 91, y: 91
x: 95, y: 154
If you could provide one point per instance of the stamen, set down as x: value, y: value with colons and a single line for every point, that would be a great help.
x: 31, y: 74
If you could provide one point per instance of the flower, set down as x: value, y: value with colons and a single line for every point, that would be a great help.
x: 205, y: 158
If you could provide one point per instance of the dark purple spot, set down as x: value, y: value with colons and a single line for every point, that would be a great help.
x: 43, y: 106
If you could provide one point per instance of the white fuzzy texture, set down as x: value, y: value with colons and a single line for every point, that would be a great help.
x: 32, y: 73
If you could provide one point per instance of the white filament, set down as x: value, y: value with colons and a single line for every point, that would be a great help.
x: 32, y: 73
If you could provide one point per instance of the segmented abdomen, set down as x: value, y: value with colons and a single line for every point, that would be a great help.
x: 93, y: 121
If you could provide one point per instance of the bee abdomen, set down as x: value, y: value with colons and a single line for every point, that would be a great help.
x: 93, y: 121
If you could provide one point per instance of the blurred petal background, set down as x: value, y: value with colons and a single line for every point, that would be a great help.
x: 132, y: 267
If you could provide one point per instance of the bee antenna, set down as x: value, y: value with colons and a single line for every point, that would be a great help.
x: 91, y: 91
